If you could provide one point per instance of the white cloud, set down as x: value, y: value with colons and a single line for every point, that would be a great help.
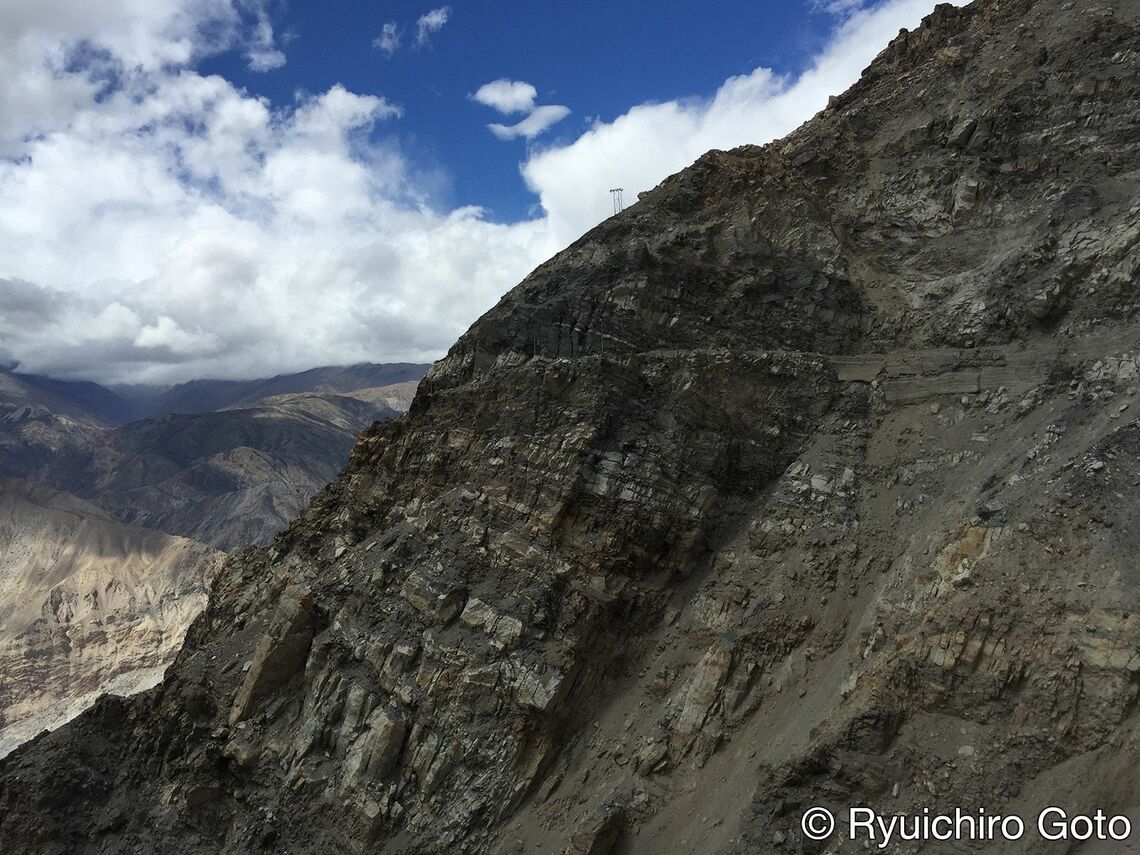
x: 517, y: 96
x: 651, y: 141
x: 262, y: 54
x: 838, y: 7
x: 174, y: 226
x: 158, y: 224
x: 264, y: 241
x: 432, y: 22
x: 388, y: 40
x: 40, y: 42
x: 539, y: 120
x: 507, y: 96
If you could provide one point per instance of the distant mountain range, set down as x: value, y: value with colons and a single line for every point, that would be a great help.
x: 122, y: 403
x: 203, y: 396
x: 222, y: 461
x: 117, y: 503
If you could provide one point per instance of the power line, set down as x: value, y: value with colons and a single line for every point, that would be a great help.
x: 615, y: 195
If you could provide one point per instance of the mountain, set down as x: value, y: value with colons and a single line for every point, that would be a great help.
x: 76, y: 399
x: 122, y: 403
x: 40, y: 431
x: 235, y: 476
x: 87, y: 605
x: 95, y: 592
x: 202, y: 396
x: 224, y: 477
x: 806, y: 481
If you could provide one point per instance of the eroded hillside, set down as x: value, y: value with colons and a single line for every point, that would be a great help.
x: 87, y: 606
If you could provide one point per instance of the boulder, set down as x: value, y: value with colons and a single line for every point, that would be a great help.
x: 281, y: 652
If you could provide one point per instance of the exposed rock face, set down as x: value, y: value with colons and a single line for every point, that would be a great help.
x: 806, y: 480
x: 281, y: 653
x: 87, y: 606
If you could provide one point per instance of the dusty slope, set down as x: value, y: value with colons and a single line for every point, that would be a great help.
x: 808, y: 479
x: 87, y: 605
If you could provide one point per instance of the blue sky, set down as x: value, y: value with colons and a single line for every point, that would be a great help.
x: 597, y: 58
x: 239, y: 188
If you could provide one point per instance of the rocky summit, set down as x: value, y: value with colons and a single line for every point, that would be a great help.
x: 808, y: 480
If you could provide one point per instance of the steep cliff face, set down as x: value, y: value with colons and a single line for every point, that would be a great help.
x: 805, y: 480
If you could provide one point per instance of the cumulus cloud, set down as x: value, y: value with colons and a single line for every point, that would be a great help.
x: 201, y: 233
x: 262, y: 53
x: 56, y: 56
x: 159, y: 224
x: 539, y: 120
x: 432, y: 22
x: 517, y: 96
x: 388, y: 40
x: 507, y: 96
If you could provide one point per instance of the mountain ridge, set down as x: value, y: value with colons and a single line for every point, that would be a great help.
x: 119, y: 404
x: 803, y: 481
x: 226, y: 477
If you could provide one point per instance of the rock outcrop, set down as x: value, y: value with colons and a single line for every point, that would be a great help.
x: 808, y: 479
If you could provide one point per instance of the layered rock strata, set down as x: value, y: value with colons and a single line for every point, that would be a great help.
x: 806, y: 480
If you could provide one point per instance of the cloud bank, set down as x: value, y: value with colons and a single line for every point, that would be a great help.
x: 158, y: 224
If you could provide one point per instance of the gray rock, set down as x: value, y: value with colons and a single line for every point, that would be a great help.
x: 619, y: 456
x: 961, y: 132
x: 281, y: 653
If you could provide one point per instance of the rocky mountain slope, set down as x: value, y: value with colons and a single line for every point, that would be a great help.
x: 807, y: 480
x: 94, y: 597
x: 87, y: 605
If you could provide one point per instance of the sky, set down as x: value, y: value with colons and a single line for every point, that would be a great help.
x: 241, y: 188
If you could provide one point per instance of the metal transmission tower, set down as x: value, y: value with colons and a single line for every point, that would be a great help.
x: 615, y: 194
